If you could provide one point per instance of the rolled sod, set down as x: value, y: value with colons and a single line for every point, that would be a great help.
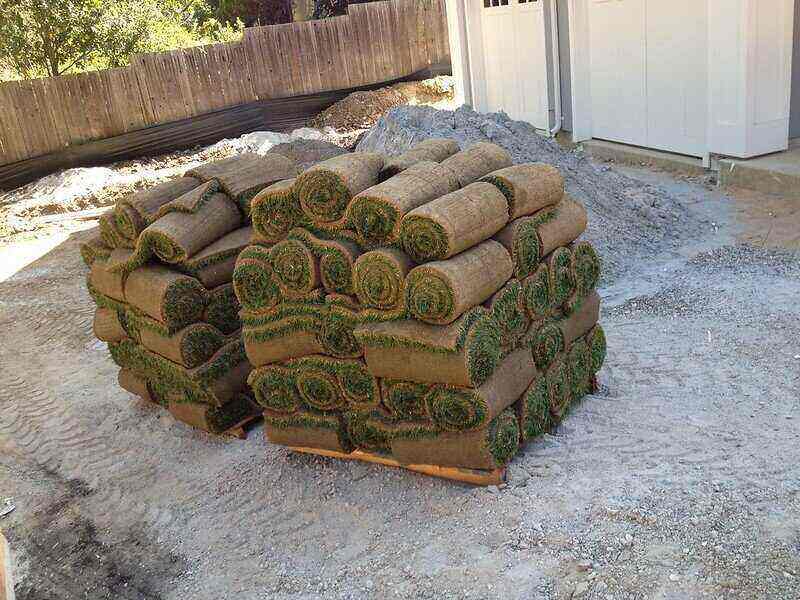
x: 547, y: 343
x: 225, y: 374
x: 533, y: 410
x: 559, y: 269
x: 136, y: 211
x: 190, y: 202
x: 109, y: 233
x: 222, y: 309
x: 295, y: 269
x: 275, y: 211
x: 596, y: 340
x: 252, y: 279
x: 173, y: 299
x: 536, y: 294
x: 329, y: 384
x: 579, y: 363
x: 190, y: 347
x: 404, y: 399
x: 337, y: 332
x: 580, y: 322
x: 528, y: 188
x: 135, y: 385
x: 463, y: 409
x: 441, y: 291
x: 379, y: 278
x: 289, y: 338
x: 93, y: 250
x: 376, y: 213
x: 585, y: 270
x: 214, y: 419
x: 453, y: 223
x: 242, y: 176
x: 431, y: 150
x: 477, y: 161
x: 490, y: 447
x: 177, y: 237
x: 306, y: 429
x: 325, y: 190
x: 464, y: 353
x: 214, y: 265
x: 105, y: 281
x: 560, y: 389
x: 335, y: 258
x: 275, y: 389
x: 107, y: 325
x: 367, y: 432
x: 508, y: 309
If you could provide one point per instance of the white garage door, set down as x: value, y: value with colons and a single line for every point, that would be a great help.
x: 649, y: 73
x: 516, y: 59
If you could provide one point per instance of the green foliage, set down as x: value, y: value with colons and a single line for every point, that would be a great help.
x: 503, y: 437
x: 456, y: 409
x: 40, y: 38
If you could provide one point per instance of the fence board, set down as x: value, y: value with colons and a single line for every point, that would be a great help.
x: 371, y: 44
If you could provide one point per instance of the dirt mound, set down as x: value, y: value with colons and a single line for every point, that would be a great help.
x: 626, y: 216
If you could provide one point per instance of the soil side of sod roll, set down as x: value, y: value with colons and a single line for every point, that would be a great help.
x: 431, y: 150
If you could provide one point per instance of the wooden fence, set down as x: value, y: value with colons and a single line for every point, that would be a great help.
x: 374, y: 42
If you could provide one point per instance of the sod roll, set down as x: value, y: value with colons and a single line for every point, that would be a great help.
x: 176, y: 237
x: 136, y: 211
x: 252, y: 279
x: 453, y: 223
x: 579, y: 363
x: 441, y: 291
x: 337, y: 332
x: 306, y: 429
x: 533, y: 410
x: 107, y: 326
x: 244, y: 175
x: 222, y: 309
x: 379, y: 278
x: 560, y: 389
x: 366, y: 431
x: 173, y: 299
x: 335, y: 259
x: 528, y: 188
x: 214, y: 265
x: 295, y: 269
x: 376, y: 213
x: 325, y: 190
x: 224, y: 375
x: 215, y: 419
x: 331, y: 384
x: 109, y: 234
x: 463, y: 409
x: 94, y: 249
x: 191, y: 201
x: 404, y: 400
x: 190, y: 347
x: 507, y: 307
x: 547, y: 343
x: 536, y: 294
x: 585, y: 267
x: 431, y: 150
x: 288, y: 338
x: 275, y: 211
x: 477, y: 161
x: 559, y: 269
x: 106, y: 281
x: 135, y: 385
x: 464, y: 353
x: 582, y: 321
x: 275, y: 389
x: 488, y: 448
x: 596, y: 340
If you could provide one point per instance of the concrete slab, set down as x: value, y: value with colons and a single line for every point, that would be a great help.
x: 777, y: 174
x: 644, y: 157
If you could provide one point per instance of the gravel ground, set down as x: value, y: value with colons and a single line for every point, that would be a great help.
x: 680, y: 479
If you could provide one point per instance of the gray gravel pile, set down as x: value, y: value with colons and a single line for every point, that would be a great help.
x: 626, y: 216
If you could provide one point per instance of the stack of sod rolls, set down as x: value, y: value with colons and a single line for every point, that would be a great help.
x: 437, y: 308
x: 161, y: 275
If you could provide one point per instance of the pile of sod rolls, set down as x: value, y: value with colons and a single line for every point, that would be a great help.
x: 161, y: 274
x: 437, y: 308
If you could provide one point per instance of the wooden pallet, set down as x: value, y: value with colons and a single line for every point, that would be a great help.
x: 6, y: 581
x: 471, y: 476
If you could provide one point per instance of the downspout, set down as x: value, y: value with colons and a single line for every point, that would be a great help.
x: 556, y: 68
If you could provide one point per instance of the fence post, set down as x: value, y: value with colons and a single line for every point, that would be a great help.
x: 6, y: 580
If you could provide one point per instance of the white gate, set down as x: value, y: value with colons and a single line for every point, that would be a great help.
x: 649, y: 73
x: 515, y: 55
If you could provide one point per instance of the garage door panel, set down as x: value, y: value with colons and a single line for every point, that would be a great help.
x: 618, y: 70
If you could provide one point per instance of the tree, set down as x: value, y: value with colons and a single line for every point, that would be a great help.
x: 52, y: 37
x: 329, y: 8
x: 255, y: 12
